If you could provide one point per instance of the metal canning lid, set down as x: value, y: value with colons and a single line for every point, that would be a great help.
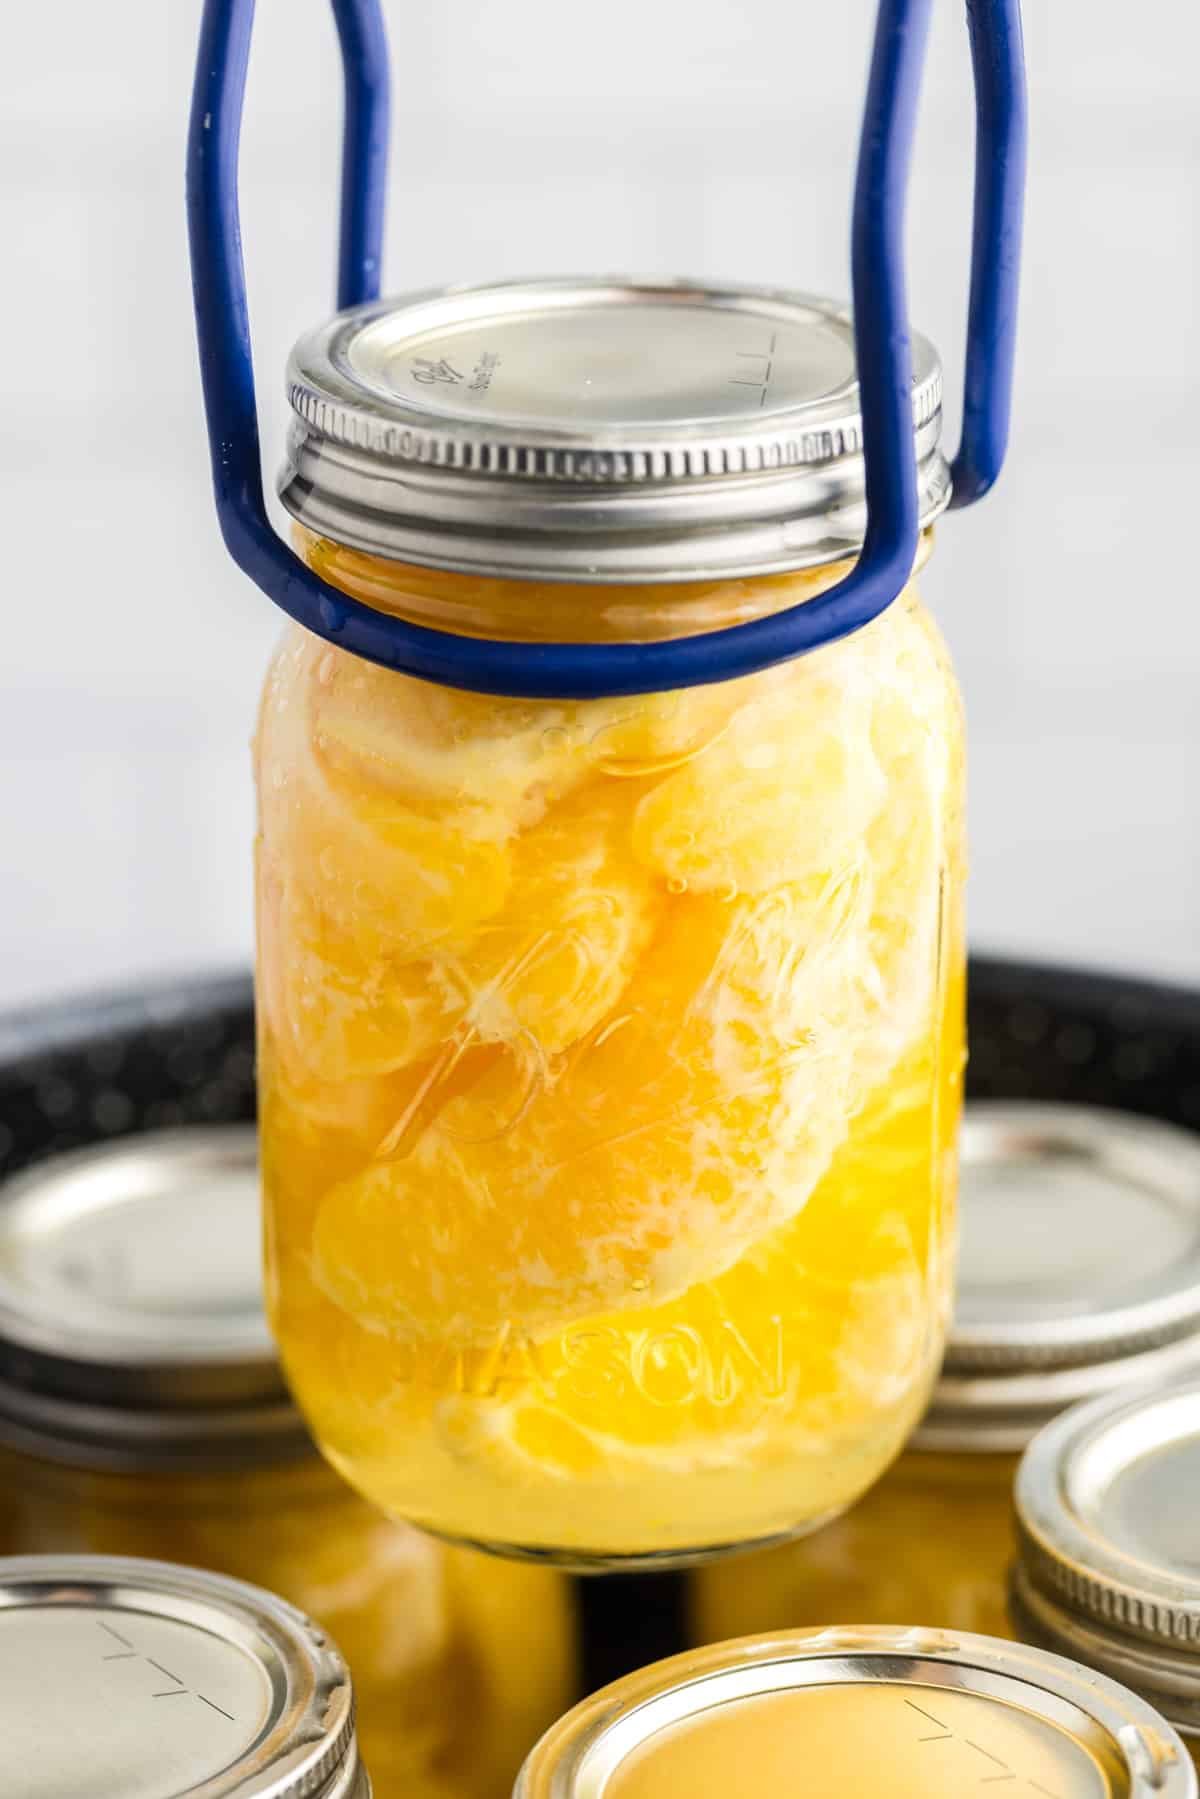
x: 904, y: 1714
x: 1108, y: 1498
x: 593, y: 430
x: 1079, y: 1266
x: 140, y: 1680
x: 131, y: 1316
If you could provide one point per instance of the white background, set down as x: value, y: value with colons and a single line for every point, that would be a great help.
x: 534, y: 136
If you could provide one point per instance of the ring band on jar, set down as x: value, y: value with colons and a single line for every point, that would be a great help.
x: 143, y: 1414
x: 610, y: 1049
x: 1108, y: 1572
x: 1079, y: 1274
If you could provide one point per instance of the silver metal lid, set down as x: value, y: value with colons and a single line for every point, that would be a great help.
x: 1079, y: 1266
x: 131, y: 1316
x: 139, y: 1680
x: 592, y: 430
x: 1108, y: 1520
x: 905, y: 1714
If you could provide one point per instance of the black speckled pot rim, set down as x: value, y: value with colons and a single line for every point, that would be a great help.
x: 87, y: 1070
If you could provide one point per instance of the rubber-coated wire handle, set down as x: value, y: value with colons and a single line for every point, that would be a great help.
x: 1001, y: 108
x: 364, y: 150
x: 571, y: 670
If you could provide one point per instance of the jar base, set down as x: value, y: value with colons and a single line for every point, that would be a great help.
x: 653, y: 1561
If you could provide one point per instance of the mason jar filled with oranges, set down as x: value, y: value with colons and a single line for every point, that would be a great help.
x: 610, y: 1048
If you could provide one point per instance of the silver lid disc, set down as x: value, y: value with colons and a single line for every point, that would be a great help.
x: 1079, y: 1266
x: 131, y: 1314
x: 139, y: 1680
x: 593, y: 430
x: 1108, y: 1504
x: 901, y: 1714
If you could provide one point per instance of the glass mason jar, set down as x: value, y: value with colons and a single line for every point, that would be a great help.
x: 611, y: 1049
x: 142, y: 1415
x: 1070, y: 1283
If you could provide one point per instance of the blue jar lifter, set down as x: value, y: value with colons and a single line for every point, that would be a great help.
x: 609, y: 1052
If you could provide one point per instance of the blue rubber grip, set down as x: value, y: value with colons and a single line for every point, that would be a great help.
x: 584, y: 671
x: 364, y: 150
x: 998, y: 61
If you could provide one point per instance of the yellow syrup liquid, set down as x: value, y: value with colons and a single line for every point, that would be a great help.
x: 610, y: 1068
x: 932, y: 1540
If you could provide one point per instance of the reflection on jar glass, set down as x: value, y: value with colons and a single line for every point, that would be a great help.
x: 933, y: 1539
x: 154, y: 1425
x: 610, y: 1049
x: 1080, y: 1273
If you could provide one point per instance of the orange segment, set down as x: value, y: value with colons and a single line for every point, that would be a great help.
x: 498, y: 760
x: 553, y: 961
x: 440, y: 750
x: 385, y: 874
x: 782, y: 795
x: 399, y: 882
x: 348, y: 1015
x: 788, y: 1343
x: 648, y: 1157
